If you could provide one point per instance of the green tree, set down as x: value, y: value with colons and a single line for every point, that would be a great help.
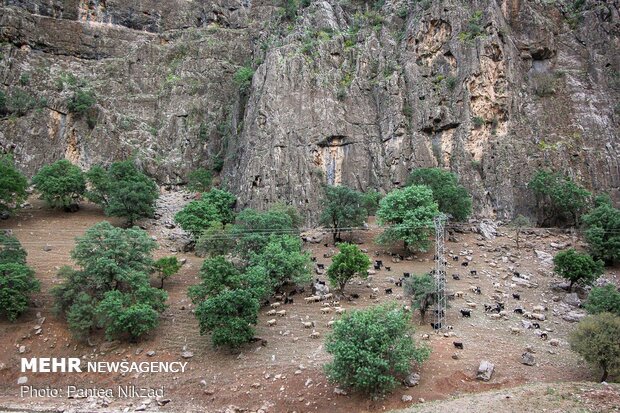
x: 253, y: 228
x: 284, y: 261
x: 597, y: 340
x: 577, y: 267
x: 602, y: 230
x: 518, y: 224
x: 451, y: 197
x: 213, y: 207
x: 370, y: 201
x: 217, y: 239
x: 604, y: 299
x: 123, y: 191
x: 409, y: 212
x: 13, y: 184
x: 422, y: 291
x: 17, y: 282
x: 559, y: 198
x: 60, y: 184
x: 217, y: 274
x: 350, y: 261
x: 11, y: 251
x: 112, y: 287
x: 229, y: 317
x: 372, y: 350
x: 342, y: 207
x: 199, y: 180
x: 166, y: 267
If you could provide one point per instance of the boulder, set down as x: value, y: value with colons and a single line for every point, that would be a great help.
x: 412, y: 380
x: 320, y: 289
x: 573, y: 316
x: 22, y: 380
x: 406, y: 398
x: 527, y: 359
x: 544, y: 257
x: 572, y: 299
x: 488, y: 229
x: 485, y: 370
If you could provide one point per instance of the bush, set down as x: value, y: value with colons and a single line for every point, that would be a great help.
x: 112, y: 288
x: 604, y: 299
x: 558, y: 197
x: 252, y: 229
x: 370, y: 201
x: 122, y: 191
x: 166, y: 267
x: 243, y: 78
x: 199, y: 180
x: 373, y: 350
x: 409, y: 212
x: 81, y: 102
x: 229, y: 317
x: 13, y: 184
x: 422, y: 291
x: 215, y: 206
x: 451, y: 197
x: 11, y: 251
x: 350, y: 261
x: 217, y: 239
x: 597, y: 340
x: 342, y: 207
x: 20, y: 102
x: 474, y: 27
x: 217, y: 274
x: 518, y: 224
x: 17, y: 281
x: 60, y: 184
x: 576, y: 267
x: 602, y: 230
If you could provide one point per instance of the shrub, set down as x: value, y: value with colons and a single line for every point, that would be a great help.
x: 13, y: 184
x: 474, y: 27
x: 409, y: 212
x: 229, y: 317
x: 122, y: 191
x: 577, y: 267
x: 11, y: 251
x: 112, y: 288
x: 20, y: 102
x: 604, y: 299
x: 602, y: 230
x: 558, y: 197
x: 243, y: 78
x: 60, y: 184
x: 478, y: 121
x: 373, y: 349
x: 518, y: 224
x: 350, y: 261
x: 422, y: 291
x: 215, y: 206
x: 451, y: 197
x: 597, y: 340
x: 342, y: 207
x: 252, y: 229
x: 17, y: 281
x: 290, y: 9
x: 217, y: 239
x: 81, y: 102
x: 199, y: 180
x: 166, y: 267
x: 284, y: 261
x: 370, y: 201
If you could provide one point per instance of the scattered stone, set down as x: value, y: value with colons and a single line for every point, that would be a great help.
x: 187, y: 354
x: 141, y: 408
x: 407, y: 398
x: 572, y: 299
x: 47, y: 248
x: 150, y: 353
x: 485, y: 370
x: 554, y: 342
x: 22, y: 380
x: 488, y: 229
x: 528, y: 359
x: 339, y: 391
x: 573, y: 316
x: 412, y: 380
x: 109, y: 345
x: 22, y: 349
x: 308, y: 382
x: 544, y: 257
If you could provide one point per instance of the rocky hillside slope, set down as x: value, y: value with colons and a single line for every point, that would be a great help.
x: 343, y: 91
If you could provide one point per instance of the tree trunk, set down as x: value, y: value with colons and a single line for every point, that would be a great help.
x: 162, y: 283
x: 605, y: 374
x: 570, y: 287
x: 517, y: 239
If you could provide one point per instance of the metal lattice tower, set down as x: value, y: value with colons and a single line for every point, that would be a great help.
x: 440, y: 271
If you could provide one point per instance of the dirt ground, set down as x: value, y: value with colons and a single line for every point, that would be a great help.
x: 286, y: 375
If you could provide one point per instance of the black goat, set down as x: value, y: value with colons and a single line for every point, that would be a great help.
x: 436, y: 326
x: 388, y: 291
x: 320, y: 266
x: 313, y: 259
x: 518, y: 310
x: 379, y: 263
x: 455, y: 258
x: 536, y: 325
x: 406, y: 274
x: 516, y: 296
x: 466, y: 313
x: 377, y: 267
x: 455, y: 277
x: 473, y: 272
x: 458, y: 345
x: 543, y: 336
x: 388, y: 268
x: 464, y: 263
x: 288, y: 300
x: 399, y: 283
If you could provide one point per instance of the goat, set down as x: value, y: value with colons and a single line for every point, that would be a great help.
x: 399, y: 283
x: 320, y: 266
x: 325, y: 310
x: 377, y: 267
x: 326, y: 245
x: 271, y: 312
x: 315, y: 334
x: 466, y: 313
x: 406, y: 275
x: 272, y: 322
x: 313, y: 259
x: 464, y: 263
x: 539, y: 309
x: 379, y: 263
x: 455, y: 277
x: 308, y: 324
x: 544, y: 336
x: 459, y: 294
x: 495, y: 316
x: 327, y: 296
x: 355, y: 296
x: 275, y: 305
x: 515, y: 330
x: 455, y: 258
x: 330, y: 323
x: 340, y: 310
x: 475, y: 289
x: 373, y: 296
x: 288, y: 300
x: 312, y: 298
x: 388, y: 268
x: 426, y: 337
x: 388, y: 291
x: 536, y: 325
x: 471, y: 305
x: 436, y: 326
x: 516, y: 296
x: 281, y: 313
x: 473, y: 272
x: 458, y: 345
x: 518, y: 310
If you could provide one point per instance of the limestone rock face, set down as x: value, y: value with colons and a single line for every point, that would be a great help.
x: 492, y: 89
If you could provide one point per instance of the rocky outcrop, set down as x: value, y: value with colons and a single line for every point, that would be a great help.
x: 343, y: 94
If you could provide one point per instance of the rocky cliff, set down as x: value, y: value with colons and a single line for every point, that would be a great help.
x: 343, y: 92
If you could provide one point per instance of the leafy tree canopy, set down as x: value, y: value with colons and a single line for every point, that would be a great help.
x: 451, y: 198
x: 602, y: 226
x: 577, y: 267
x: 559, y: 197
x: 60, y: 184
x: 597, y: 340
x: 348, y: 263
x: 342, y: 207
x: 13, y: 184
